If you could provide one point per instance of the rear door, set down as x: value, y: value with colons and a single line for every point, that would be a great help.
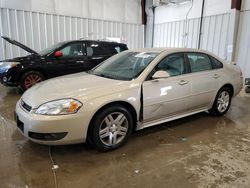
x: 96, y: 52
x: 204, y: 80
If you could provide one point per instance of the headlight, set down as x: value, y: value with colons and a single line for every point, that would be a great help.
x: 59, y: 107
x: 7, y: 65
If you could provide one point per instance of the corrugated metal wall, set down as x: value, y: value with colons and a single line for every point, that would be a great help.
x: 186, y: 34
x: 243, y: 43
x: 40, y: 30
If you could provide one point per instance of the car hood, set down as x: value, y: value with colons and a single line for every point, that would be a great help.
x: 25, y: 59
x: 14, y: 42
x: 81, y: 86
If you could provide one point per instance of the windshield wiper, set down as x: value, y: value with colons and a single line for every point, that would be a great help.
x: 105, y: 76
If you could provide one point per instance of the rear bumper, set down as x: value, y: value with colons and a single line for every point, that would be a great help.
x: 238, y: 87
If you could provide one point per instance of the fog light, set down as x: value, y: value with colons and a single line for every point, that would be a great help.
x: 4, y: 79
x: 47, y: 136
x: 247, y: 81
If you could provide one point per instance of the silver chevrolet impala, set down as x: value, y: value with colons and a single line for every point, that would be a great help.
x: 130, y: 91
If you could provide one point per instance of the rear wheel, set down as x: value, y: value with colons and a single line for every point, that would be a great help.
x: 30, y: 78
x: 222, y: 102
x: 110, y: 128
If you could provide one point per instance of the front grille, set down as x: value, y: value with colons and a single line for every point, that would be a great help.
x: 26, y: 106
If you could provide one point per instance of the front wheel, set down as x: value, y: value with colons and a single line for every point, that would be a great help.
x: 111, y: 128
x: 30, y: 78
x: 222, y: 102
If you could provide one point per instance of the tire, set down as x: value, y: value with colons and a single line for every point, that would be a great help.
x: 247, y: 89
x: 222, y: 102
x: 106, y: 132
x: 30, y: 78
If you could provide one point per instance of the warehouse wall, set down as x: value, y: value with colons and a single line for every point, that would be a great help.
x: 178, y: 12
x: 41, y: 24
x: 174, y: 28
x: 128, y: 11
x: 243, y: 39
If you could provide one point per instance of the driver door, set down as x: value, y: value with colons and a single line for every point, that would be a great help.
x: 167, y: 97
x: 73, y: 60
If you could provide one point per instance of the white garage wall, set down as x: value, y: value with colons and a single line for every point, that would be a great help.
x: 172, y: 29
x: 128, y: 11
x: 214, y: 34
x: 54, y: 21
x: 243, y: 40
x: 178, y: 12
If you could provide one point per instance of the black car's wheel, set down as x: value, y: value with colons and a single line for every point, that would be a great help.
x: 110, y: 128
x: 247, y: 89
x: 222, y: 102
x: 30, y: 78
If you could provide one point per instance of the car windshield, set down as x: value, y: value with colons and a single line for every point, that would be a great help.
x: 51, y: 49
x: 124, y: 66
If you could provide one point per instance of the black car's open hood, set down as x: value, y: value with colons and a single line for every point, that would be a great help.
x: 26, y: 48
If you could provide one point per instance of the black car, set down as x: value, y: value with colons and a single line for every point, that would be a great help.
x: 60, y: 59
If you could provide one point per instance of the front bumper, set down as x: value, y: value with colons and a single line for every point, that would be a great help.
x: 5, y: 80
x: 52, y: 130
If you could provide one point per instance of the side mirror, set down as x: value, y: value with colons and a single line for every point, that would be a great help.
x: 58, y: 54
x: 160, y: 74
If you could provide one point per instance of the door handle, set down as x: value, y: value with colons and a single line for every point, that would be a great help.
x: 79, y: 61
x: 183, y: 82
x: 96, y: 58
x: 216, y: 76
x: 155, y: 80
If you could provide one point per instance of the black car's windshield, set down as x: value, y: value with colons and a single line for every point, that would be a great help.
x: 51, y: 49
x: 124, y: 66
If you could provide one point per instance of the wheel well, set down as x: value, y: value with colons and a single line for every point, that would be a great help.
x: 27, y: 70
x: 121, y: 103
x: 229, y: 86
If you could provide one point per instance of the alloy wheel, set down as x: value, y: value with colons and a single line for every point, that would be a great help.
x: 223, y: 101
x: 113, y: 129
x: 31, y: 80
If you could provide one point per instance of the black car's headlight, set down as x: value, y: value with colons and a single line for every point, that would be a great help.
x: 7, y: 65
x: 59, y: 107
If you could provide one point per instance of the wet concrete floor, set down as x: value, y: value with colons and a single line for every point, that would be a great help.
x: 197, y: 151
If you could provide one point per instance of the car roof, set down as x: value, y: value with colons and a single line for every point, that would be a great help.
x: 159, y: 50
x: 87, y: 40
x: 174, y: 50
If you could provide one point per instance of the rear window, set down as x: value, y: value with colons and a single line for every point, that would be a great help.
x: 96, y: 49
x: 199, y: 62
x: 216, y: 63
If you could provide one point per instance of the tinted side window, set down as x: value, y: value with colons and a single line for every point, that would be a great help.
x: 116, y: 48
x: 74, y: 50
x: 96, y: 49
x: 216, y: 63
x: 199, y: 62
x: 172, y: 64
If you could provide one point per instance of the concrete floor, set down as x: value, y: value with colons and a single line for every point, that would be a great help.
x: 197, y: 151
